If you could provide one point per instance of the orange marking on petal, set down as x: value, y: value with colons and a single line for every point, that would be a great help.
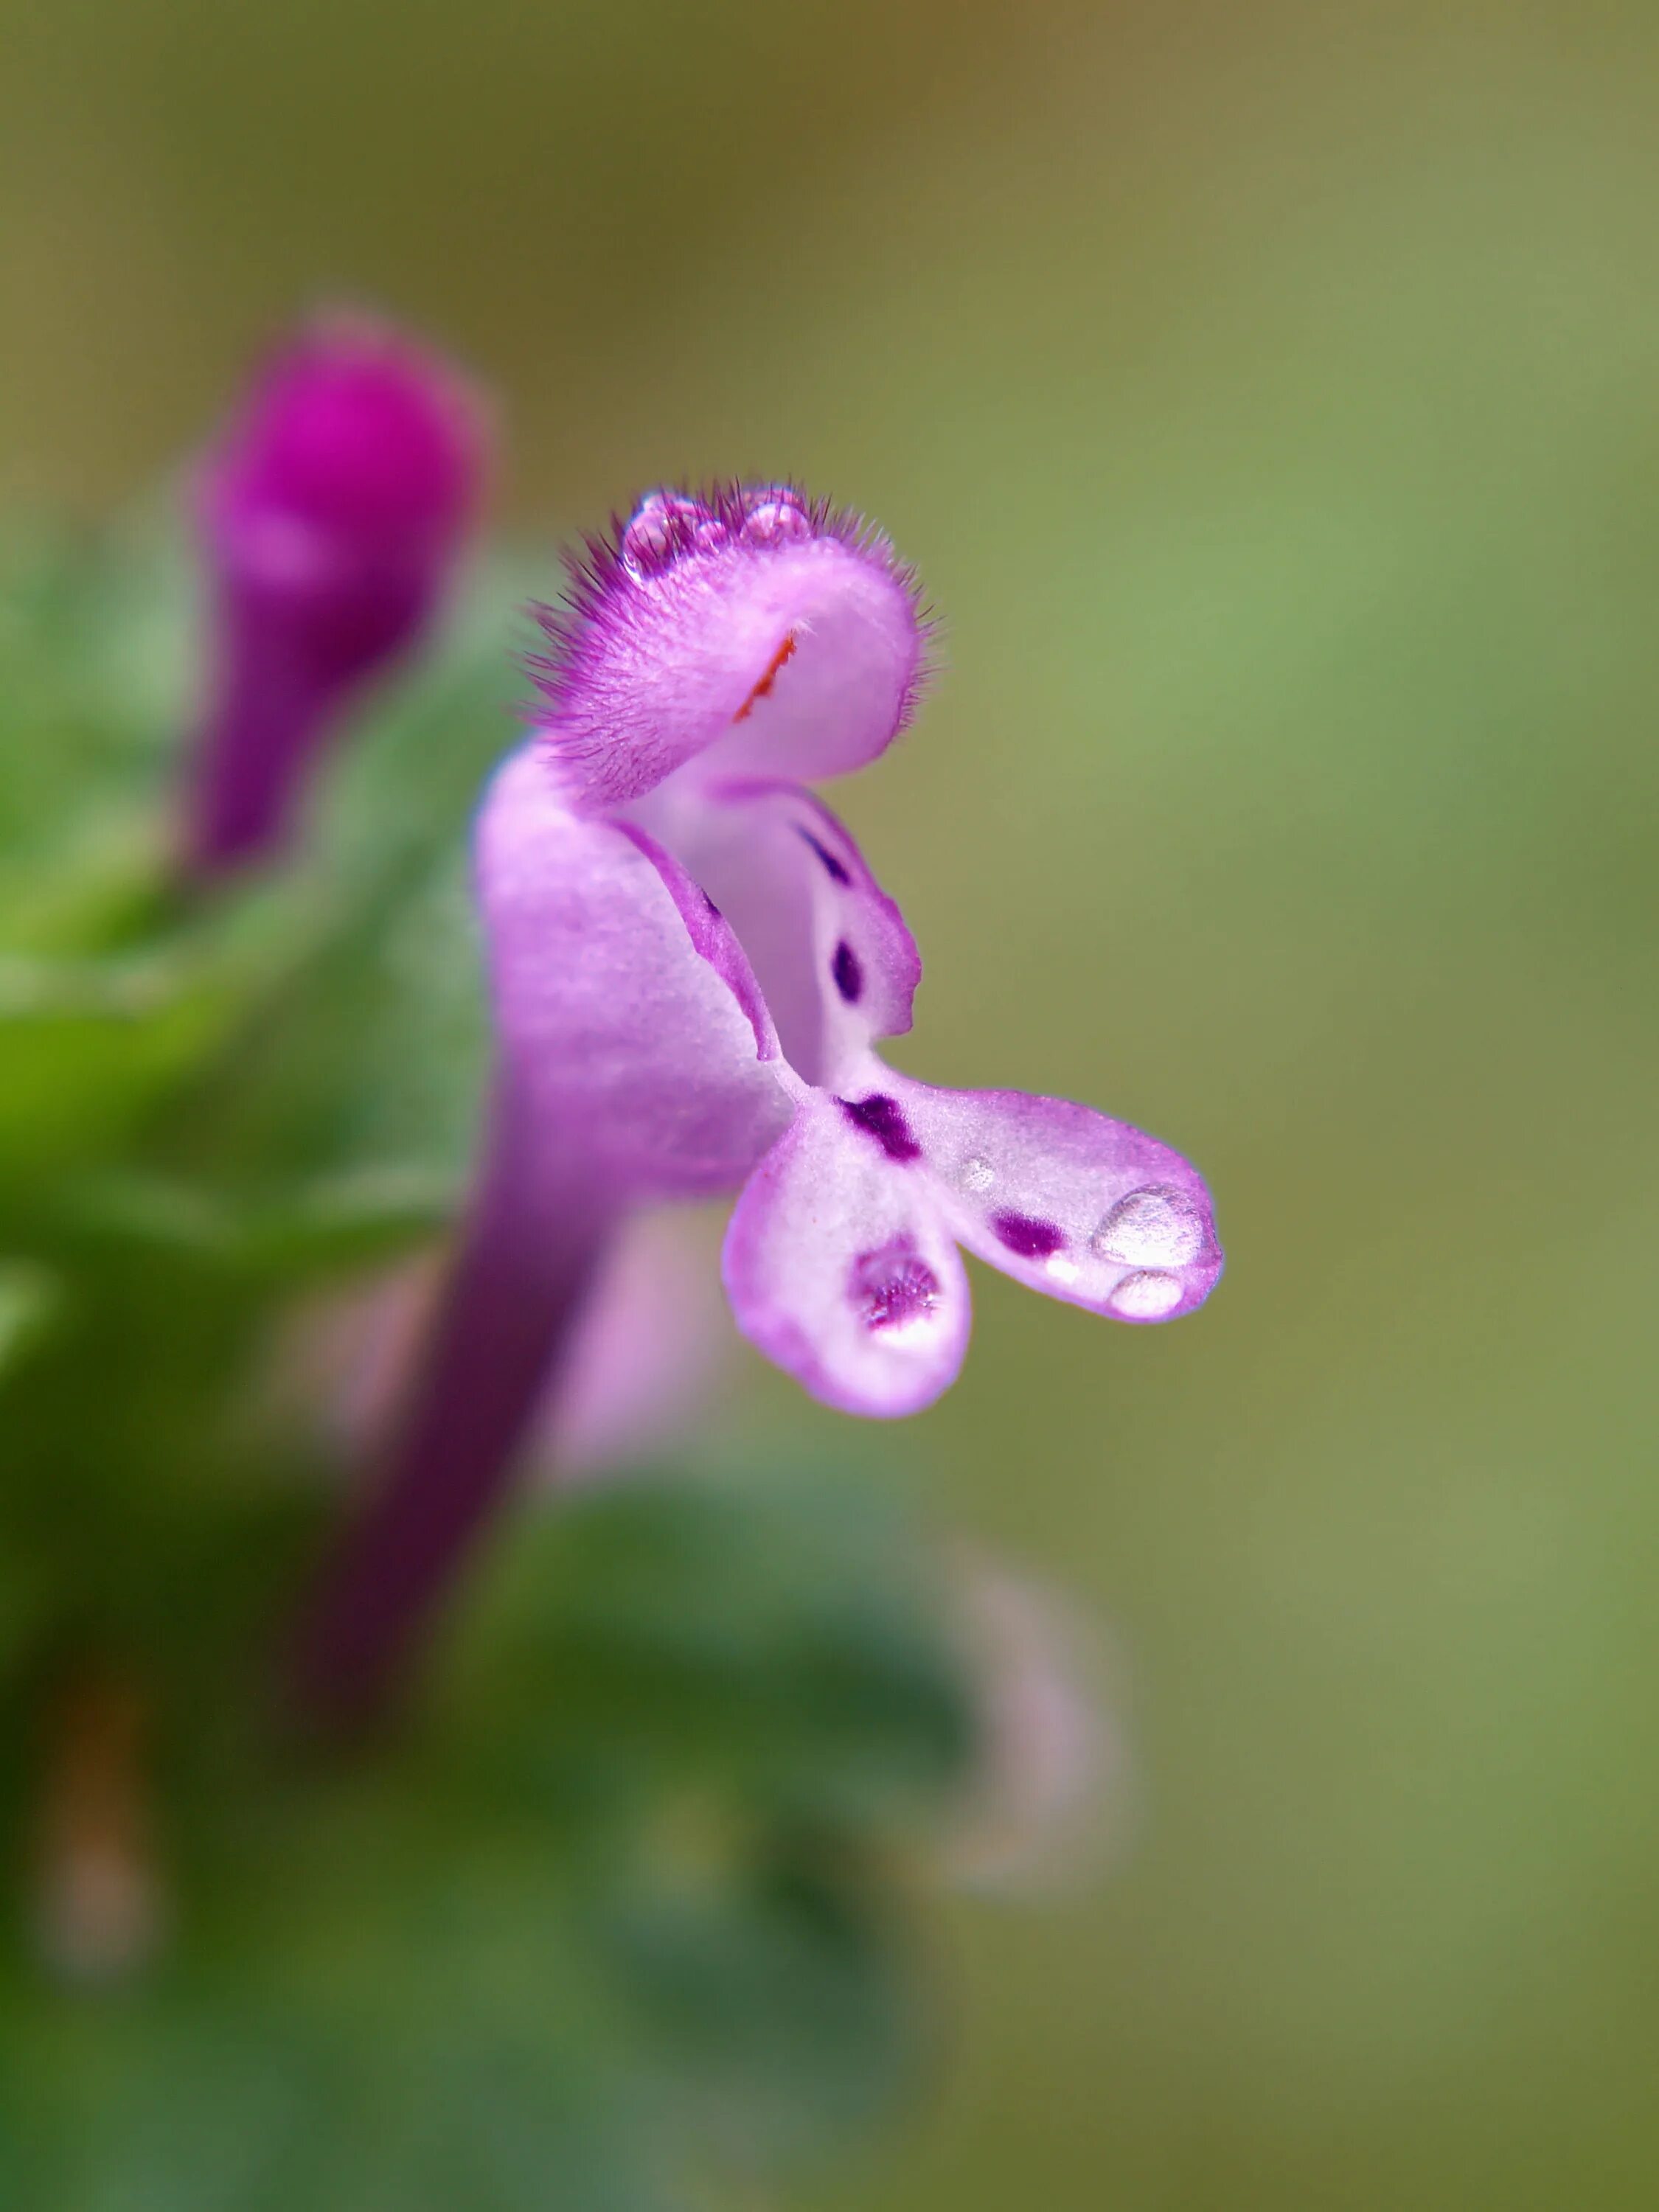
x: 763, y: 689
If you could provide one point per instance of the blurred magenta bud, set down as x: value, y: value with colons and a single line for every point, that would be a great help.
x: 331, y: 514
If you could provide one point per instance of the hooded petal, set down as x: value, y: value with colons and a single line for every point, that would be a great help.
x: 837, y: 965
x: 839, y: 1269
x: 1065, y: 1200
x: 633, y: 1048
x: 771, y: 637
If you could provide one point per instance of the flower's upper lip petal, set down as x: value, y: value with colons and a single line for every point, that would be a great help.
x: 836, y: 962
x: 798, y: 654
x: 637, y: 1049
x: 1066, y: 1200
x: 839, y: 1269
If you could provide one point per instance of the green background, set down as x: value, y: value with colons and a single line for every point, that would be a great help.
x: 1270, y: 399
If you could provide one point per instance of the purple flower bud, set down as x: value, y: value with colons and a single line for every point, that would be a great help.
x: 331, y: 515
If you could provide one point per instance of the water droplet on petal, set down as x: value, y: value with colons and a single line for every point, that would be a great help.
x: 1152, y: 1228
x: 893, y: 1287
x: 976, y: 1174
x: 1147, y: 1296
x: 776, y: 516
x: 665, y: 525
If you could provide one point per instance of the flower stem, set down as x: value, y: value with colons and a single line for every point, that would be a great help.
x: 263, y: 726
x: 515, y: 1293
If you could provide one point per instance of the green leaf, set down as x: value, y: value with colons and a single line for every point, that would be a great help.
x: 88, y: 1047
x: 782, y: 1636
x: 283, y: 1237
x: 96, y: 658
x: 31, y: 1300
x: 371, y: 1046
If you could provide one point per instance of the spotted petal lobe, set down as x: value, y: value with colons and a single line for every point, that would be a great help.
x: 840, y: 1270
x: 1065, y: 1200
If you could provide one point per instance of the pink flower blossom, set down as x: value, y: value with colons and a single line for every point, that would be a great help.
x: 692, y: 966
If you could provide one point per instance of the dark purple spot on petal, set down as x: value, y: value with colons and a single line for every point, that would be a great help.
x: 1030, y: 1238
x: 894, y: 1286
x: 837, y: 869
x: 879, y: 1117
x: 849, y: 976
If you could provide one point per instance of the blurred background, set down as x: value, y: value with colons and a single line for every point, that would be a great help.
x: 1269, y: 397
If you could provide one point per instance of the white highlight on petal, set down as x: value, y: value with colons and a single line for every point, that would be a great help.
x: 1147, y: 1296
x: 1063, y: 1270
x: 1152, y: 1228
x: 976, y: 1173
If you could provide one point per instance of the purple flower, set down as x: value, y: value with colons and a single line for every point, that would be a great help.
x: 331, y: 516
x: 692, y: 965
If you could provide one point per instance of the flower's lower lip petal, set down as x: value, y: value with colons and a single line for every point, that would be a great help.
x: 838, y: 1270
x: 636, y: 1059
x: 1068, y: 1200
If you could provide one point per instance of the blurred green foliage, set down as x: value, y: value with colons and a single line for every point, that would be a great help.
x: 615, y: 1919
x: 1268, y: 397
x: 612, y: 1924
